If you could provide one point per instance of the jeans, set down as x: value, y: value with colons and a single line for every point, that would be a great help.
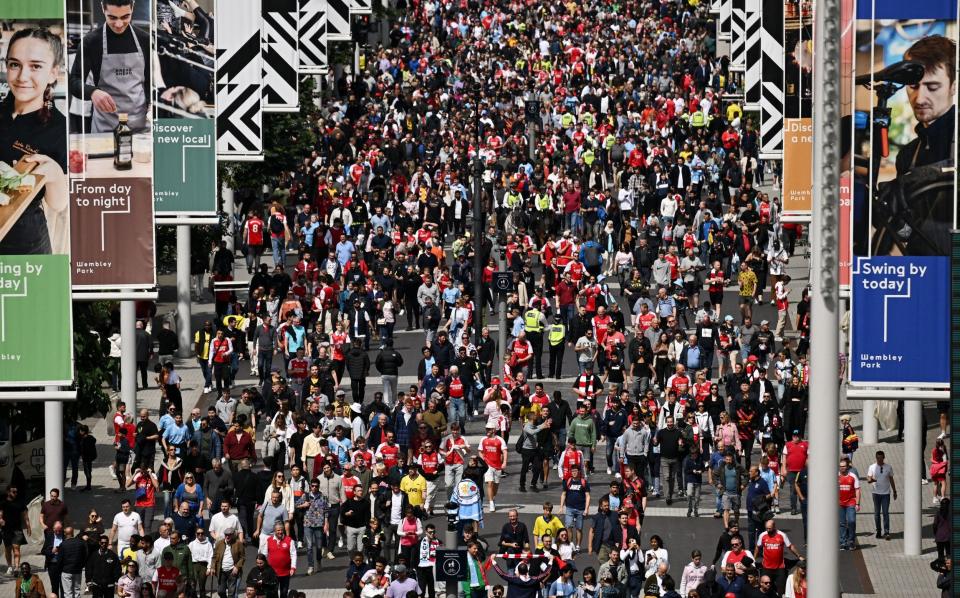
x: 72, y: 461
x: 669, y: 468
x: 452, y: 474
x: 264, y: 364
x: 358, y: 387
x: 353, y: 538
x: 881, y: 506
x: 530, y: 462
x: 227, y: 585
x: 222, y: 373
x: 278, y: 250
x: 791, y: 478
x: 70, y: 585
x: 457, y: 412
x: 333, y: 516
x: 207, y: 376
x: 314, y: 537
x: 848, y: 526
x: 693, y: 497
x: 389, y: 389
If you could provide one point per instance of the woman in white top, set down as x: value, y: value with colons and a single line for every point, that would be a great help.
x: 564, y: 546
x: 655, y: 555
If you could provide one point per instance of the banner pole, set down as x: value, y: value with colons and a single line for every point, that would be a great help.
x: 913, y: 428
x: 53, y: 469
x: 128, y: 355
x: 823, y: 500
x: 870, y: 431
x: 183, y: 289
x: 228, y: 209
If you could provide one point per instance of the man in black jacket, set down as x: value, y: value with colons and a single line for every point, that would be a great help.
x: 103, y: 570
x: 52, y: 541
x: 358, y: 366
x: 560, y: 414
x: 73, y: 558
x: 443, y: 352
x: 388, y: 364
x: 246, y: 491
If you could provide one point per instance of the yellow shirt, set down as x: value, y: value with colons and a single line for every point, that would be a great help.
x: 748, y: 283
x: 541, y: 528
x: 415, y: 489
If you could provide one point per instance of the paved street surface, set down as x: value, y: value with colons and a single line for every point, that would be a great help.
x: 878, y: 569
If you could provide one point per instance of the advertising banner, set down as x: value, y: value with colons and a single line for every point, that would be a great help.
x: 36, y: 327
x: 338, y: 20
x: 797, y: 109
x: 726, y: 9
x: 738, y: 36
x: 904, y: 190
x: 280, y: 56
x: 111, y: 146
x: 184, y: 153
x: 846, y: 141
x: 239, y: 80
x: 312, y: 51
x: 771, y: 80
x: 754, y: 53
x: 892, y: 301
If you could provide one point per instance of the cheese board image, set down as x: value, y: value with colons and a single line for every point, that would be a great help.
x: 17, y: 189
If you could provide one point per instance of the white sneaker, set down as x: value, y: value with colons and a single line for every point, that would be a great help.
x: 493, y: 506
x: 309, y: 570
x: 340, y: 543
x: 113, y: 473
x: 299, y: 544
x: 10, y: 571
x: 609, y: 471
x: 330, y: 556
x: 936, y: 500
x: 207, y: 389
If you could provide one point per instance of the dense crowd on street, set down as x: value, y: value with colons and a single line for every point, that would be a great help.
x: 636, y: 209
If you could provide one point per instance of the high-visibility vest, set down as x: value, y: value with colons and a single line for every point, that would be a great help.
x: 698, y: 119
x: 542, y: 202
x: 588, y: 156
x: 556, y: 334
x: 531, y: 321
x: 512, y: 200
x: 567, y: 120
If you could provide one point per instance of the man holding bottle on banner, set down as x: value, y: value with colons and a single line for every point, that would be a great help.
x: 115, y: 56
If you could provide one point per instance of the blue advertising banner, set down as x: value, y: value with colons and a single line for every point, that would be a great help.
x: 900, y: 333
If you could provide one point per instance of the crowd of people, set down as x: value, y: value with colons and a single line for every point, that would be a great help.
x: 624, y: 217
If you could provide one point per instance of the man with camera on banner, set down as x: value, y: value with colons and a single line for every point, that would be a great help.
x: 916, y: 210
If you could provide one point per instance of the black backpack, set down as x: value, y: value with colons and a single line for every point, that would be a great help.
x: 276, y: 226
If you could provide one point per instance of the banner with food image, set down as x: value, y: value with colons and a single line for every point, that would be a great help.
x: 184, y: 131
x: 34, y: 198
x: 111, y: 145
x: 904, y: 191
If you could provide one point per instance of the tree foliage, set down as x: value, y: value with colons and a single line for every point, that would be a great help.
x: 92, y: 368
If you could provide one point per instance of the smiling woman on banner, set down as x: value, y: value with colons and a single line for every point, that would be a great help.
x: 115, y: 56
x: 32, y: 130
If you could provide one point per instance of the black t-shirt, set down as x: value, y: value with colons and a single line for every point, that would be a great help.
x: 145, y: 429
x: 26, y: 135
x: 12, y: 515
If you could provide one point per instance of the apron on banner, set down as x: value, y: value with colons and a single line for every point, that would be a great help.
x: 121, y: 75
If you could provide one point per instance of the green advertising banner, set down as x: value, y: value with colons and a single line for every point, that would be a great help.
x: 185, y: 166
x: 35, y: 350
x: 36, y: 317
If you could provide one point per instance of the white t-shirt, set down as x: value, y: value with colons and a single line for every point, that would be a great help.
x: 127, y: 525
x: 219, y: 523
x: 882, y: 475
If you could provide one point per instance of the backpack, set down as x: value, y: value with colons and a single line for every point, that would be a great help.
x: 276, y: 225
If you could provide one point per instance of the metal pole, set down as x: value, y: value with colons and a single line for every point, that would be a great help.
x: 128, y: 354
x: 501, y: 310
x: 183, y: 289
x: 477, y: 250
x: 53, y: 467
x: 229, y: 209
x: 871, y: 434
x: 912, y: 490
x: 823, y: 524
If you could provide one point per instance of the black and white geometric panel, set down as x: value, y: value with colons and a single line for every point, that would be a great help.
x: 771, y: 80
x: 338, y: 20
x: 361, y: 7
x: 753, y: 56
x: 726, y: 7
x: 738, y: 41
x: 280, y: 57
x: 715, y: 7
x: 239, y: 89
x: 313, y: 37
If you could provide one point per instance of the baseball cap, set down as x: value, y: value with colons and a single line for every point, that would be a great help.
x: 764, y: 322
x: 728, y: 318
x: 396, y: 569
x: 495, y: 380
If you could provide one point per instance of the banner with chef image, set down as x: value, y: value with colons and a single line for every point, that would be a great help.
x: 36, y: 328
x: 185, y: 155
x: 111, y: 145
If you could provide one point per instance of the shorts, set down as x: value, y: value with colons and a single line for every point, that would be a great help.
x: 692, y: 288
x: 730, y: 502
x: 943, y: 406
x: 492, y: 475
x: 573, y: 518
x: 745, y: 300
x: 13, y: 538
x: 716, y: 298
